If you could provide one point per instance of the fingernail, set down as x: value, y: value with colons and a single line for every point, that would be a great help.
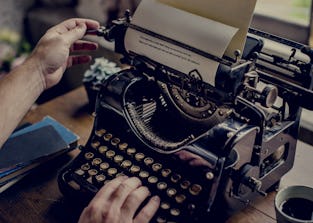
x: 156, y: 198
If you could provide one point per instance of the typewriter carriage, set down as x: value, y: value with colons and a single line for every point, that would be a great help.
x: 236, y: 139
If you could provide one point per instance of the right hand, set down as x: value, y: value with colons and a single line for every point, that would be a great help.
x: 118, y: 201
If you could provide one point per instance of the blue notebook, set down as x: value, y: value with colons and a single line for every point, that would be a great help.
x: 33, y: 145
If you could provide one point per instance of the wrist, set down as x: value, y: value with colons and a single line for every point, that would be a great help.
x: 34, y: 68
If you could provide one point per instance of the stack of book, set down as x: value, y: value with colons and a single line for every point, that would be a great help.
x: 31, y: 146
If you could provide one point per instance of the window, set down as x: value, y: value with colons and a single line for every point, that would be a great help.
x: 287, y: 18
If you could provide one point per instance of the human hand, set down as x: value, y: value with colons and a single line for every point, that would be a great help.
x: 118, y: 201
x: 52, y: 53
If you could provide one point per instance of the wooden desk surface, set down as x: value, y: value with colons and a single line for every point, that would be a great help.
x: 37, y: 199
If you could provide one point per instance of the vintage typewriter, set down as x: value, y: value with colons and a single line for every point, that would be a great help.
x: 206, y: 151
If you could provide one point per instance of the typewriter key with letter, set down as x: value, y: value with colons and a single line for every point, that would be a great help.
x: 134, y: 169
x: 95, y: 144
x: 85, y: 166
x: 195, y: 189
x: 110, y: 154
x: 100, y: 132
x: 96, y: 161
x: 123, y: 146
x: 126, y: 164
x: 115, y: 141
x: 103, y: 149
x: 104, y: 166
x: 166, y: 172
x: 89, y: 155
x: 162, y: 185
x: 107, y: 137
x: 139, y: 156
x: 131, y: 151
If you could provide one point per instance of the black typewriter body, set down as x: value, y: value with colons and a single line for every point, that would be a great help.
x: 206, y: 151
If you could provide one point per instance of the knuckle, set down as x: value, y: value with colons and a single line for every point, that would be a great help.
x: 145, y: 214
x: 138, y: 196
x: 110, y: 216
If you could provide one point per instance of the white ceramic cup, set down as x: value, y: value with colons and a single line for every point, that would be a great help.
x: 288, y: 193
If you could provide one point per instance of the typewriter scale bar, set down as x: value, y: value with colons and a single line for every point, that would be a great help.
x: 107, y: 156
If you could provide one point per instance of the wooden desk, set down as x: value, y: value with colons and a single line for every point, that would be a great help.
x: 37, y: 199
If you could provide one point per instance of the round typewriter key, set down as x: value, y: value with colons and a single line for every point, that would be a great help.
x: 175, y: 178
x: 121, y: 174
x: 195, y: 189
x: 126, y: 164
x: 85, y: 166
x: 166, y: 172
x: 123, y: 146
x: 100, y: 132
x: 148, y: 161
x: 96, y: 161
x: 103, y: 149
x: 134, y: 169
x: 139, y: 156
x: 165, y: 205
x: 112, y: 171
x: 110, y: 154
x: 161, y: 219
x: 95, y: 144
x: 118, y: 158
x: 162, y: 185
x: 209, y: 176
x: 171, y: 192
x: 144, y: 174
x: 185, y: 184
x: 100, y: 178
x: 89, y: 155
x: 107, y: 137
x: 180, y: 198
x: 104, y: 166
x: 175, y: 212
x: 156, y: 167
x: 131, y: 151
x: 80, y: 172
x: 115, y: 141
x: 152, y: 179
x: 92, y: 172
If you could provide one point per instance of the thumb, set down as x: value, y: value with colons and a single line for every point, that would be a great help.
x: 75, y: 34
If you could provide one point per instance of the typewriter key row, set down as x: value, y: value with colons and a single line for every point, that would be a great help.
x: 112, y: 158
x: 194, y: 189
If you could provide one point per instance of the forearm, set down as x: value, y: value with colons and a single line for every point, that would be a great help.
x: 18, y: 91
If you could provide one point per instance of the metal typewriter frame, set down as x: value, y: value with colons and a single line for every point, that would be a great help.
x: 247, y: 141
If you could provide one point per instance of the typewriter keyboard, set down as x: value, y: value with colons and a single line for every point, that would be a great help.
x: 107, y: 156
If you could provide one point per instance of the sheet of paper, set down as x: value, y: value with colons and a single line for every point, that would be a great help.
x: 193, y: 30
x: 236, y: 13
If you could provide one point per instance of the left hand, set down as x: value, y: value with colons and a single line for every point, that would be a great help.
x: 52, y: 53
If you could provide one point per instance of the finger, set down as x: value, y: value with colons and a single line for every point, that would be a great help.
x: 199, y: 162
x: 72, y: 23
x: 74, y: 34
x: 104, y: 194
x: 146, y: 214
x: 184, y: 155
x: 125, y: 188
x: 134, y: 200
x: 83, y: 45
x: 79, y: 59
